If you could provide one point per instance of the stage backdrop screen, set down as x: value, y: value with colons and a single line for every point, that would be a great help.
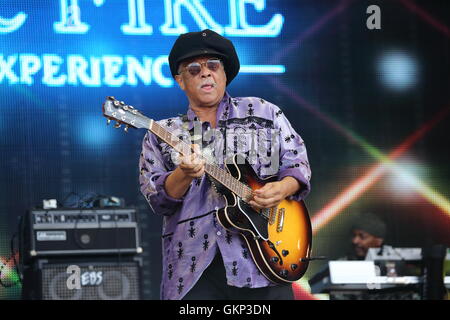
x: 365, y: 84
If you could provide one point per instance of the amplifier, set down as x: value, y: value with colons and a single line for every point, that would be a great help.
x: 62, y: 232
x: 72, y: 278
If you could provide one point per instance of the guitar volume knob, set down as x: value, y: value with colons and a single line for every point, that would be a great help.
x: 284, y: 273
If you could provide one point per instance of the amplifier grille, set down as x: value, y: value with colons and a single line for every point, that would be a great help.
x: 99, y: 281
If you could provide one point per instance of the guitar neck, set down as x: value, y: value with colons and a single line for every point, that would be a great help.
x: 219, y: 174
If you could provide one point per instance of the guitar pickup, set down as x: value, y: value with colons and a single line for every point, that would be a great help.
x: 272, y: 215
x: 280, y: 222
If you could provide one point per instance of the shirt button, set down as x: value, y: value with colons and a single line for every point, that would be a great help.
x: 219, y: 233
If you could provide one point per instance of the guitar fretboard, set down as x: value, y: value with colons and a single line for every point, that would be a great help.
x: 219, y: 174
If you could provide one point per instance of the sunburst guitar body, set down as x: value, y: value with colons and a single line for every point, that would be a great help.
x: 279, y: 239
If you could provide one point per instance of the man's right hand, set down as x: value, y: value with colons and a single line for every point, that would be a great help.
x: 192, y: 165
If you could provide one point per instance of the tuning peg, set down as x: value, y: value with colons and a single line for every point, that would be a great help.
x: 126, y: 128
x: 116, y: 103
x: 108, y: 121
x: 117, y: 125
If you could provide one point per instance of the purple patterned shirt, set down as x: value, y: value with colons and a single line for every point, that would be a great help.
x: 191, y: 234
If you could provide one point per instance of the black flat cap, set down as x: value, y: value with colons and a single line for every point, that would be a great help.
x: 370, y: 223
x: 206, y: 42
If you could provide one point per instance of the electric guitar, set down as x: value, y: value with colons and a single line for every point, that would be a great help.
x: 279, y: 239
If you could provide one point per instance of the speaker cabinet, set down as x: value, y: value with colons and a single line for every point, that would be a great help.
x: 83, y: 279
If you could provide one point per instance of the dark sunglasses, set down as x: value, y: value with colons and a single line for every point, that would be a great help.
x: 194, y: 68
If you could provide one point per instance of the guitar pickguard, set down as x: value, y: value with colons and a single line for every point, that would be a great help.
x: 256, y: 219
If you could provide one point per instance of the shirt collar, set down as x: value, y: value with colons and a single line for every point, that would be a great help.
x: 223, y: 111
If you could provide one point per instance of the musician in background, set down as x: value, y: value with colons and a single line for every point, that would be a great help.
x: 201, y: 259
x: 368, y: 231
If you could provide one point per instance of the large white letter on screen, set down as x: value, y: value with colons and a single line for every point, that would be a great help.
x: 77, y: 69
x: 240, y: 27
x: 70, y: 18
x: 112, y: 66
x: 135, y: 70
x: 51, y: 65
x: 10, y: 25
x: 6, y: 69
x: 201, y: 16
x: 136, y: 14
x: 158, y: 74
x: 29, y: 65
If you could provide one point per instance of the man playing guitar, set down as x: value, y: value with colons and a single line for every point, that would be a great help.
x: 208, y: 251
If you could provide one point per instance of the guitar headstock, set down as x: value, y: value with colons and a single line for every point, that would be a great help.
x: 122, y: 113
